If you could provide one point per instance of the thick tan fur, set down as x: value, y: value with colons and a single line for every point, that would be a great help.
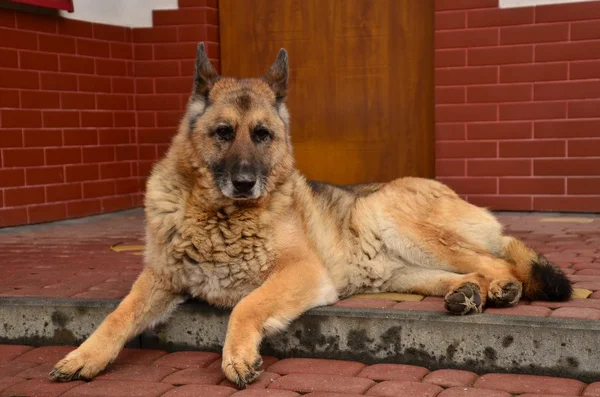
x: 297, y: 245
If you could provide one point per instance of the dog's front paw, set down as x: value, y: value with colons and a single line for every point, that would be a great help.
x: 241, y: 367
x: 78, y: 365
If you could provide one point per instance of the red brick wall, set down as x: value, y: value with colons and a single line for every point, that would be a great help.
x: 518, y: 104
x: 86, y: 108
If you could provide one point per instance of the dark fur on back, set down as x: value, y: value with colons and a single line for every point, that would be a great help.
x: 553, y: 283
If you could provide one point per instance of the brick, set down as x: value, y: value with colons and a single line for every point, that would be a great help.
x: 9, y: 58
x: 449, y: 95
x: 10, y: 352
x: 583, y: 185
x: 500, y: 130
x: 156, y: 68
x: 529, y: 384
x: 263, y: 381
x: 193, y: 33
x: 450, y: 20
x: 194, y: 375
x: 19, y: 79
x: 96, y: 119
x: 108, y: 32
x: 502, y: 202
x: 500, y: 55
x: 111, y: 102
x: 499, y: 93
x: 442, y: 5
x: 567, y: 51
x: 584, y: 147
x: 592, y: 390
x: 124, y: 119
x: 121, y: 50
x: 534, y: 34
x: 447, y: 58
x: 205, y: 391
x: 59, y: 81
x: 316, y: 366
x: 98, y: 154
x: 71, y: 191
x: 404, y: 389
x: 38, y: 61
x: 532, y: 186
x: 584, y: 109
x: 128, y: 186
x: 396, y: 372
x: 451, y: 378
x: 179, y: 17
x: 566, y: 90
x: 175, y: 51
x: 429, y: 306
x: 123, y: 85
x: 466, y: 38
x: 267, y: 393
x: 57, y: 44
x: 465, y: 149
x: 98, y: 189
x: 11, y: 177
x: 93, y: 48
x: 187, y: 359
x: 566, y: 167
x: 23, y: 157
x: 11, y: 138
x: 532, y: 111
x: 7, y: 18
x: 584, y: 70
x: 466, y: 76
x: 168, y: 119
x: 585, y: 30
x: 6, y: 382
x: 78, y: 173
x: 83, y: 208
x: 467, y: 112
x: 46, y: 354
x: 567, y: 12
x: 114, y: 170
x: 40, y: 387
x: 567, y: 129
x: 155, y: 34
x: 533, y: 73
x: 155, y: 135
x: 71, y: 100
x: 23, y: 196
x: 450, y: 131
x: 101, y: 388
x: 80, y: 137
x: 61, y: 119
x: 46, y: 213
x: 499, y: 17
x: 526, y: 149
x: 72, y: 27
x: 212, y: 32
x: 111, y: 67
x: 306, y: 383
x: 44, y: 175
x: 359, y: 303
x: 471, y: 392
x: 56, y: 156
x: 157, y: 102
x: 12, y: 217
x: 36, y: 22
x: 576, y: 312
x: 19, y: 39
x: 113, y: 136
x: 141, y: 373
x: 9, y: 99
x: 21, y: 118
x: 171, y: 85
x: 94, y: 83
x: 76, y: 64
x: 40, y: 100
x: 143, y: 52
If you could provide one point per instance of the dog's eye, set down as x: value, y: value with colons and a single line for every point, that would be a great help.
x: 225, y: 133
x: 260, y: 134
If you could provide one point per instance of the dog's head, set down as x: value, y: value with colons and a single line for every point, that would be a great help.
x: 239, y: 128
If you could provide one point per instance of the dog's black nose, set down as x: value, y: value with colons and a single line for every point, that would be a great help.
x: 243, y: 183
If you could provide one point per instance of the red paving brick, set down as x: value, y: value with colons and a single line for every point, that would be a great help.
x: 316, y: 366
x: 265, y: 393
x: 205, y: 391
x: 46, y: 354
x: 306, y: 383
x: 39, y: 388
x: 13, y: 368
x: 102, y: 388
x: 184, y: 360
x: 451, y: 378
x: 202, y: 376
x: 7, y: 382
x: 530, y: 384
x: 471, y: 392
x: 576, y: 312
x: 140, y: 356
x: 141, y: 373
x: 404, y: 389
x: 9, y: 352
x: 592, y: 390
x: 396, y: 372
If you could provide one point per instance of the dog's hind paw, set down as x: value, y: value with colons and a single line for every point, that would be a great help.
x: 465, y: 299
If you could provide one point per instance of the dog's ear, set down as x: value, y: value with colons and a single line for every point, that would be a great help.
x: 277, y: 76
x: 205, y: 75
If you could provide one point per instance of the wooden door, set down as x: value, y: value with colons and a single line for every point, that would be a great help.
x: 361, y: 80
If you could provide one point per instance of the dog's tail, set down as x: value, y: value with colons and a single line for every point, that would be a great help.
x: 542, y: 279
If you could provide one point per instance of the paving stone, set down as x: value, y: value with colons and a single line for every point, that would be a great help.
x: 544, y: 395
x: 515, y: 384
x: 204, y: 391
x: 10, y: 352
x: 307, y: 383
x: 595, y: 295
x: 265, y: 379
x: 430, y: 306
x: 520, y: 310
x: 366, y: 303
x: 265, y: 393
x: 325, y: 394
x: 141, y: 373
x: 576, y: 312
x: 39, y: 371
x: 187, y: 359
x: 39, y: 388
x: 581, y: 293
x: 451, y: 378
x: 472, y: 392
x: 267, y: 362
x: 588, y: 272
x: 396, y: 372
x: 394, y: 296
x: 591, y: 285
x: 46, y: 354
x: 316, y: 366
x: 193, y: 375
x: 588, y: 303
x: 404, y: 389
x: 103, y: 388
x: 6, y: 382
x: 13, y: 368
x: 592, y: 390
x: 139, y: 356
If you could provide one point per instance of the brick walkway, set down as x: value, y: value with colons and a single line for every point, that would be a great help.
x: 150, y: 373
x: 75, y: 259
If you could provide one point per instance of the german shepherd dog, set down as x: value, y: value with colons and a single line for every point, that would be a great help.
x: 231, y: 221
